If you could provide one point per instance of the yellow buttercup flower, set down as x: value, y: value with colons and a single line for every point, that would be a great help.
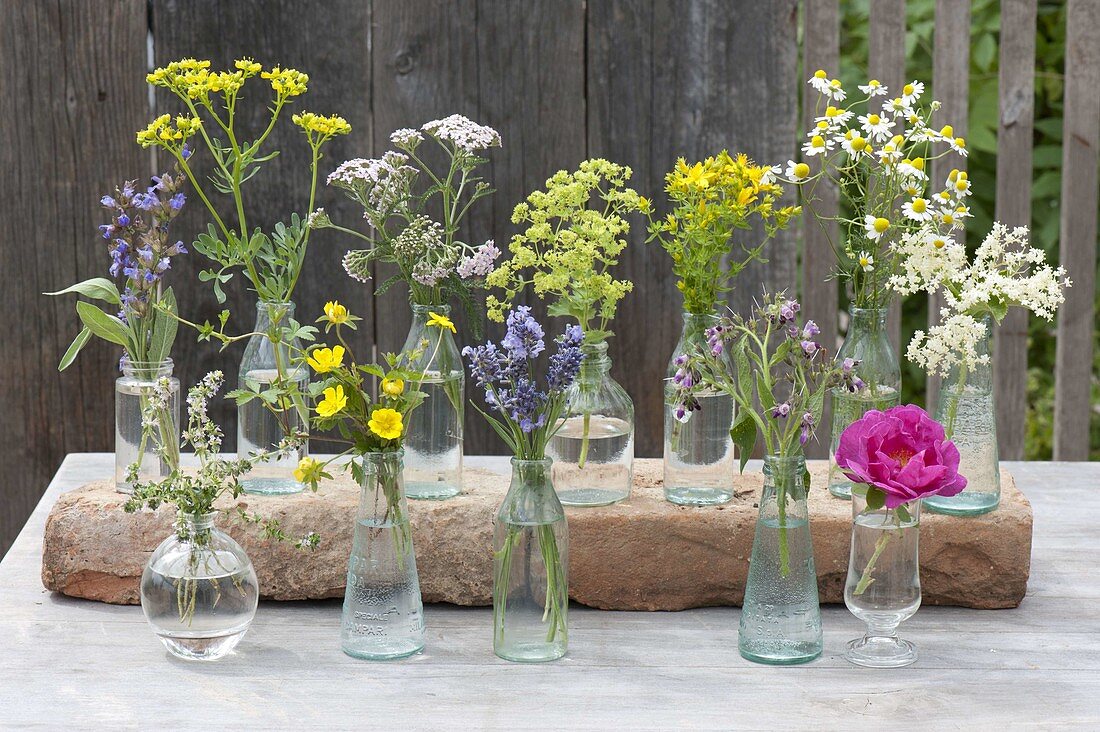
x: 336, y: 313
x: 324, y: 360
x: 435, y: 320
x: 308, y: 470
x: 386, y: 423
x: 393, y: 387
x: 334, y: 402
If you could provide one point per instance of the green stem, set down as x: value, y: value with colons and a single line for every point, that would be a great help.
x: 865, y: 579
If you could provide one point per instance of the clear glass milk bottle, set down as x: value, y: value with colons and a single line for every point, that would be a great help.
x: 699, y: 459
x: 383, y: 614
x: 152, y: 443
x: 433, y: 442
x: 268, y: 362
x: 593, y: 451
x: 868, y: 343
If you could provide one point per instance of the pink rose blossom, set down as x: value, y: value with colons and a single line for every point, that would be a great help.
x: 902, y: 452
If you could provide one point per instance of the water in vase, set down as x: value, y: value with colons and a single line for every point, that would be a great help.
x: 894, y: 593
x: 258, y: 429
x: 433, y: 443
x: 975, y: 435
x: 847, y: 408
x: 607, y: 473
x: 699, y: 458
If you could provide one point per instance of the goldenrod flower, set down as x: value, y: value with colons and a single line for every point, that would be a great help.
x: 336, y: 313
x: 334, y: 402
x: 308, y: 470
x: 386, y: 423
x: 435, y: 320
x: 324, y: 360
x: 393, y: 387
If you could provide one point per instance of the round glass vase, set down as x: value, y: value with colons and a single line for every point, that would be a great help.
x: 433, y: 442
x: 268, y: 362
x: 780, y: 616
x: 968, y: 415
x: 699, y: 459
x: 867, y: 341
x: 530, y: 568
x: 593, y: 449
x: 153, y: 445
x: 883, y: 584
x: 199, y: 590
x: 383, y: 617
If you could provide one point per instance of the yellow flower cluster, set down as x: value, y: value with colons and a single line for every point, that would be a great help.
x: 286, y: 83
x: 320, y: 128
x: 168, y: 134
x: 386, y: 423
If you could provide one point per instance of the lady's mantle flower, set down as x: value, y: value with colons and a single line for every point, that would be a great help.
x: 324, y: 360
x: 386, y: 423
x: 435, y: 320
x: 334, y: 401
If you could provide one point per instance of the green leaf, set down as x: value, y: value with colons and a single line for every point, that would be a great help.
x: 96, y: 288
x: 743, y: 434
x: 767, y: 401
x: 165, y: 326
x: 79, y: 342
x: 903, y: 514
x: 876, y: 498
x: 102, y: 325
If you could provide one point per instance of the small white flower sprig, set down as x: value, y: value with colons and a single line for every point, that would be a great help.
x: 877, y: 155
x: 1003, y: 273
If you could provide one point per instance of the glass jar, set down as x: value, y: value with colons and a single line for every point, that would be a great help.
x: 593, y: 450
x: 780, y: 616
x: 383, y: 615
x: 699, y: 459
x: 968, y: 415
x: 530, y: 568
x: 269, y: 361
x: 883, y: 585
x: 433, y: 441
x: 199, y: 590
x: 867, y: 342
x: 153, y: 445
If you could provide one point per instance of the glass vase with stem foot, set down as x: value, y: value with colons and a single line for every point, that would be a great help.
x: 150, y: 441
x: 868, y: 343
x: 883, y: 584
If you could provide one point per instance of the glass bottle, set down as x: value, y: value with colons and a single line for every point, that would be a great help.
x: 883, y: 585
x: 268, y: 362
x: 699, y: 459
x: 433, y: 442
x: 383, y: 615
x: 593, y: 451
x: 867, y: 342
x: 136, y: 442
x: 780, y: 617
x: 530, y: 568
x: 969, y: 417
x: 199, y: 590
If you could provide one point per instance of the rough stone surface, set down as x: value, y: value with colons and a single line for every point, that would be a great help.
x: 642, y: 554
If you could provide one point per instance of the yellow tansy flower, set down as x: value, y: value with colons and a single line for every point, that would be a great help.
x: 334, y: 402
x: 336, y: 313
x: 435, y: 320
x: 324, y: 360
x: 386, y: 423
x: 393, y: 387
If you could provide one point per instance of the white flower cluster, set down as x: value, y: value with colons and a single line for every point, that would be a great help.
x: 462, y: 132
x: 202, y: 433
x: 380, y: 185
x: 406, y: 138
x: 956, y: 341
x: 480, y: 263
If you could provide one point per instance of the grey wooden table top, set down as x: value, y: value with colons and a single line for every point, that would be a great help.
x: 73, y: 663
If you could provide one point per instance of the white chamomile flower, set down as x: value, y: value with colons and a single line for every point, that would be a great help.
x: 912, y: 169
x: 835, y: 116
x: 769, y: 176
x: 819, y: 81
x: 797, y: 171
x: 962, y: 186
x: 877, y: 127
x: 866, y: 262
x: 835, y: 91
x: 958, y: 144
x: 873, y: 88
x: 875, y: 227
x: 911, y: 189
x: 898, y: 108
x: 963, y: 212
x: 947, y: 218
x: 911, y: 92
x: 917, y: 209
x: 889, y: 153
x: 817, y: 145
x: 853, y: 143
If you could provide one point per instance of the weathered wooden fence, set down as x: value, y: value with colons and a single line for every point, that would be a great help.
x: 637, y: 81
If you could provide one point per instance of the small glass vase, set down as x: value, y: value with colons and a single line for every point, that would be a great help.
x: 530, y: 568
x: 969, y: 417
x: 699, y: 459
x: 883, y: 585
x: 199, y: 590
x: 433, y: 442
x: 383, y: 613
x: 267, y: 362
x: 780, y: 616
x: 593, y: 450
x: 135, y: 441
x: 867, y: 342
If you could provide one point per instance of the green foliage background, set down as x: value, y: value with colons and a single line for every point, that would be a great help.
x: 982, y: 166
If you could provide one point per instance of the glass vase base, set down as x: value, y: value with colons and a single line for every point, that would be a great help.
x: 531, y: 652
x: 125, y: 488
x: 203, y: 648
x: 842, y: 491
x: 881, y: 652
x: 387, y: 652
x: 430, y: 490
x: 698, y: 496
x: 779, y: 652
x: 272, y: 486
x: 591, y: 496
x: 964, y: 504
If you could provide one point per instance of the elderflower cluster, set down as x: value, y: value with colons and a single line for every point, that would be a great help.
x: 955, y: 341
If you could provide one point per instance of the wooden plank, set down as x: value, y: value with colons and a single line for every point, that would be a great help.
x: 950, y: 86
x: 287, y: 33
x: 1013, y: 208
x: 886, y: 62
x: 1081, y: 136
x: 66, y: 138
x: 821, y: 39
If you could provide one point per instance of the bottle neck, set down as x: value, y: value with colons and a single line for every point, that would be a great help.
x: 421, y: 313
x: 868, y: 319
x: 273, y: 312
x: 195, y: 527
x: 785, y: 472
x: 596, y: 363
x: 146, y: 370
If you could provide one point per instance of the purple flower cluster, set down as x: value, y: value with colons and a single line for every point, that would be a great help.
x: 684, y: 379
x: 137, y: 237
x: 507, y: 372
